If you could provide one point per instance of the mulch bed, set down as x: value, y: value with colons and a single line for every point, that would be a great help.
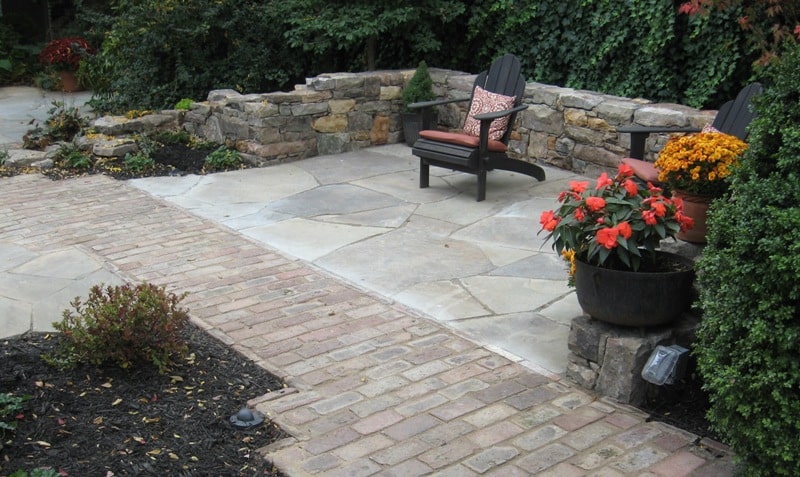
x: 170, y: 160
x: 107, y: 421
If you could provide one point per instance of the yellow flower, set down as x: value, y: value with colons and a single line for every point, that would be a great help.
x: 699, y: 162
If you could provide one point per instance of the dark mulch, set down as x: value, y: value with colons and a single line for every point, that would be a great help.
x: 106, y: 421
x: 682, y: 404
x: 170, y: 160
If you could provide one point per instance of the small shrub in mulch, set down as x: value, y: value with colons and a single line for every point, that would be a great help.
x: 109, y: 421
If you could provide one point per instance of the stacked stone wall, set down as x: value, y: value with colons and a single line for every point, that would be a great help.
x: 341, y: 112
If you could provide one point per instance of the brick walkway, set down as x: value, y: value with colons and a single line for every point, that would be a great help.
x: 373, y: 388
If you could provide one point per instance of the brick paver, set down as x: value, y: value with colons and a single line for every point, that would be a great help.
x: 373, y: 388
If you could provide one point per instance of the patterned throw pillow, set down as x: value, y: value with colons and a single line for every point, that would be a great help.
x: 487, y: 102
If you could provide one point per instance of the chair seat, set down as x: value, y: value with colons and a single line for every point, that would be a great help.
x: 461, y: 139
x: 644, y: 170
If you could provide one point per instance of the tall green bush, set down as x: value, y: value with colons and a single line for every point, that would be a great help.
x: 156, y: 52
x: 748, y: 346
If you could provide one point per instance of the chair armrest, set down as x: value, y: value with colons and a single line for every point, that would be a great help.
x: 499, y: 114
x: 486, y: 120
x: 639, y: 135
x: 437, y: 102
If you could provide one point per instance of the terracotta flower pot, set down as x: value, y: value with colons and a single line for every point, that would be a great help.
x: 69, y: 82
x: 696, y: 207
x: 641, y: 298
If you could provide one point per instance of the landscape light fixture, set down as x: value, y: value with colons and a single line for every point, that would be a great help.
x: 247, y: 419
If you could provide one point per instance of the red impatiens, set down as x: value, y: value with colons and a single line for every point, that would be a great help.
x: 613, y: 223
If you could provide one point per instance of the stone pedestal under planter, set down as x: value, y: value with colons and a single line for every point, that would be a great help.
x: 608, y: 359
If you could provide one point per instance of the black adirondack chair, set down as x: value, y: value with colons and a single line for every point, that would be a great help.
x: 732, y: 118
x: 477, y: 154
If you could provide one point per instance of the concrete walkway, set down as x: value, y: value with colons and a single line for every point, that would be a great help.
x: 420, y: 332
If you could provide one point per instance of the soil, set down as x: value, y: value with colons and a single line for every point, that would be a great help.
x: 108, y: 421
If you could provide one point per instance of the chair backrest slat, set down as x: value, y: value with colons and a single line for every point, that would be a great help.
x: 735, y: 116
x: 503, y: 77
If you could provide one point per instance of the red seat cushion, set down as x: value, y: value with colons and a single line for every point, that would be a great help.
x: 644, y: 170
x: 461, y: 139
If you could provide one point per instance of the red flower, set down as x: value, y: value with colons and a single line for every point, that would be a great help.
x: 631, y: 187
x: 649, y: 217
x: 607, y: 237
x: 580, y: 214
x: 603, y: 181
x: 595, y: 203
x: 549, y: 220
x: 685, y: 222
x: 578, y: 187
x: 660, y: 209
x: 625, y: 230
x: 625, y: 171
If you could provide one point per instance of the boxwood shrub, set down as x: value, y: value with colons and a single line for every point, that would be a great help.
x: 748, y: 346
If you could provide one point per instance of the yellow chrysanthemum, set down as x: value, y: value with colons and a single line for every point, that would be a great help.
x: 699, y: 162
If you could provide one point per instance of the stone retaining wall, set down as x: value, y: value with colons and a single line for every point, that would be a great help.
x: 340, y: 112
x: 609, y: 359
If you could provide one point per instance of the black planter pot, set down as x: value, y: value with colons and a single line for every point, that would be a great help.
x: 413, y: 124
x: 635, y: 298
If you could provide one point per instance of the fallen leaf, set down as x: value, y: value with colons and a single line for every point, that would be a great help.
x: 150, y: 420
x: 176, y: 379
x: 117, y: 402
x: 139, y: 440
x: 154, y: 452
x: 97, y: 420
x: 42, y: 443
x: 173, y: 456
x: 106, y: 385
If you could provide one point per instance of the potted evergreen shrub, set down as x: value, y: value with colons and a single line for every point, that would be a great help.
x: 419, y: 88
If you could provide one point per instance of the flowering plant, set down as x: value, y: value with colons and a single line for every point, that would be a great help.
x: 615, y: 223
x: 65, y: 53
x: 699, y: 163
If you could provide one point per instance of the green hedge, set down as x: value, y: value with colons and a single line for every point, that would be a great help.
x: 748, y: 345
x: 155, y: 52
x: 641, y: 48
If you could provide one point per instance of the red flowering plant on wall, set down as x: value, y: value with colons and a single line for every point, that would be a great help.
x: 65, y: 54
x: 615, y: 222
